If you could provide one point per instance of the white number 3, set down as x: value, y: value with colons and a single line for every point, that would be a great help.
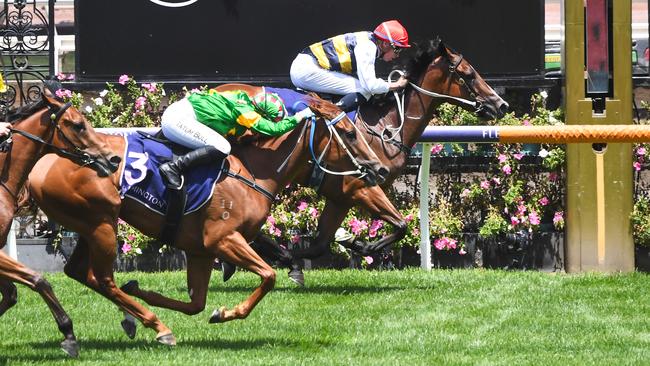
x: 140, y: 165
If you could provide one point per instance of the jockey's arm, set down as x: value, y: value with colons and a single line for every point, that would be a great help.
x: 365, y: 56
x: 259, y: 124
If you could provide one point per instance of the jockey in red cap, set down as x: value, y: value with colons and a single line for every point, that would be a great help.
x: 345, y: 64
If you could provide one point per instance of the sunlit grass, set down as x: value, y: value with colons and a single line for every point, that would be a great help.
x: 359, y: 318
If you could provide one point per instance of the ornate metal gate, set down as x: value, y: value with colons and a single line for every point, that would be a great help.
x: 26, y: 49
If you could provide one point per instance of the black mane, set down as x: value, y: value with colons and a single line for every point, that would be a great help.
x: 421, y: 55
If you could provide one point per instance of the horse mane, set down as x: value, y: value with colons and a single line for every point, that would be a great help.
x: 422, y: 54
x: 19, y: 113
x: 23, y: 112
x: 322, y: 107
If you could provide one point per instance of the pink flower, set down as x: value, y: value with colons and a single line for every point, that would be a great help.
x: 140, y: 103
x: 195, y: 90
x: 436, y: 148
x: 526, y: 122
x: 295, y: 238
x: 641, y: 151
x: 126, y: 248
x: 485, y: 184
x: 277, y: 232
x: 518, y: 156
x: 452, y: 243
x: 123, y: 79
x: 408, y: 218
x: 151, y: 87
x: 63, y: 93
x: 376, y: 225
x: 372, y: 233
x: 552, y: 176
x: 637, y: 166
x: 70, y: 77
x: 543, y: 201
x: 131, y: 237
x: 521, y: 209
x: 514, y: 220
x: 507, y: 169
x: 270, y: 220
x: 502, y: 158
x: 313, y: 212
x: 558, y: 217
x: 464, y: 193
x: 533, y: 218
x: 462, y: 251
x: 497, y: 181
x: 416, y: 231
x: 369, y: 259
x: 440, y: 243
x: 60, y: 76
x: 302, y: 205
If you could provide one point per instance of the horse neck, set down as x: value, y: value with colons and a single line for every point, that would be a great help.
x: 271, y: 154
x: 24, y: 153
x: 418, y: 111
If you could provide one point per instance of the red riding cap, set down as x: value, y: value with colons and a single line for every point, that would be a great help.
x: 393, y: 32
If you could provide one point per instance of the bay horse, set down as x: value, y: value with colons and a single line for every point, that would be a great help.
x: 437, y: 74
x: 46, y: 126
x: 221, y: 228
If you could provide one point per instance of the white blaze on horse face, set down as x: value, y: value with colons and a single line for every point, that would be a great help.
x: 171, y: 4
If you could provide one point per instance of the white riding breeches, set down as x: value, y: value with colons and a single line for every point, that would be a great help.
x: 307, y: 74
x: 179, y: 124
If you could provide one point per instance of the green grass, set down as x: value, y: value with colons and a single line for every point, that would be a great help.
x: 462, y: 317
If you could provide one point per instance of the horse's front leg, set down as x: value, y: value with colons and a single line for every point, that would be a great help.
x: 11, y: 270
x: 374, y: 201
x: 101, y: 248
x: 9, y: 296
x: 234, y: 249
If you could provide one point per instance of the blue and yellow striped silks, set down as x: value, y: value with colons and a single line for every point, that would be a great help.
x: 336, y: 53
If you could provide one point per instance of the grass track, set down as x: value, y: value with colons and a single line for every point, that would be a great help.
x: 461, y: 317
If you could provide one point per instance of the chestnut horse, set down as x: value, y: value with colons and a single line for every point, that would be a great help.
x: 438, y: 74
x: 221, y: 229
x: 46, y: 126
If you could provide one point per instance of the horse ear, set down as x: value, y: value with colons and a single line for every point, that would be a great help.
x: 49, y: 92
x: 442, y: 49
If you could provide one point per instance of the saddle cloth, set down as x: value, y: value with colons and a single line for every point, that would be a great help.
x: 141, y: 180
x: 296, y: 101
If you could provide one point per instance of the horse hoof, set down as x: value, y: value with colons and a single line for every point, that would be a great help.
x: 130, y: 287
x: 129, y: 325
x: 228, y: 270
x: 70, y: 347
x: 216, y: 316
x: 167, y: 339
x: 296, y: 275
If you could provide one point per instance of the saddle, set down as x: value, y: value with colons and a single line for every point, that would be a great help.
x: 142, y: 182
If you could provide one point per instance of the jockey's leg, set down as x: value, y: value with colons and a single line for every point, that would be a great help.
x: 351, y: 102
x: 179, y: 124
x: 171, y: 171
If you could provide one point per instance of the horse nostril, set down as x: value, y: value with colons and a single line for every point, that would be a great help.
x: 503, y: 108
x: 115, y: 160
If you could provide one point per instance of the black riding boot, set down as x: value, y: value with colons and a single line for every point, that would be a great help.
x: 351, y: 101
x: 172, y: 171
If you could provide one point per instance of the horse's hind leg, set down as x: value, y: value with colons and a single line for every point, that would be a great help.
x: 9, y: 296
x: 199, y: 270
x: 11, y: 270
x: 234, y: 249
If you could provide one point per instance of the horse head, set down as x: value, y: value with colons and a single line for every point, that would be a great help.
x: 449, y: 75
x: 74, y: 136
x: 351, y: 142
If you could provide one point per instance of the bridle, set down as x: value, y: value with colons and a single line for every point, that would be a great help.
x: 388, y: 133
x: 56, y: 112
x: 361, y: 171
